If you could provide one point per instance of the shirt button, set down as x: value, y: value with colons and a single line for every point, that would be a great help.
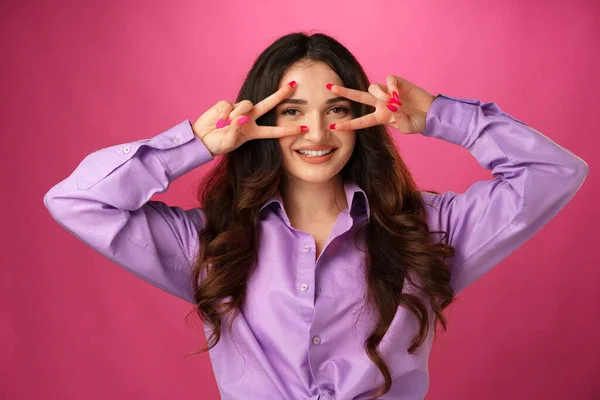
x: 306, y: 248
x: 126, y: 149
x: 176, y: 139
x: 316, y: 340
x: 304, y: 286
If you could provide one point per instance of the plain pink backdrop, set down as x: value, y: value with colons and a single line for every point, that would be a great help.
x: 80, y: 76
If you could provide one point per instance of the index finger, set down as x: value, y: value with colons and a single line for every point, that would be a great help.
x: 356, y: 95
x: 267, y: 104
x: 363, y: 122
x: 275, y: 132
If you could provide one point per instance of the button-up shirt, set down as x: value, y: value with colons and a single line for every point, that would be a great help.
x: 299, y: 335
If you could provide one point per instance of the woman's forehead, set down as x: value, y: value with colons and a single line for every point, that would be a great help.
x: 310, y: 75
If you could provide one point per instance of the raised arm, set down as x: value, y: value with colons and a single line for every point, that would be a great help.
x: 105, y: 204
x: 534, y: 178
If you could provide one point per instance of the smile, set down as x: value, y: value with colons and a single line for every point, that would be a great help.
x: 315, y: 156
x: 315, y: 153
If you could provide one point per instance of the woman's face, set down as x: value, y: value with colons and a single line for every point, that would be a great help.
x: 308, y: 105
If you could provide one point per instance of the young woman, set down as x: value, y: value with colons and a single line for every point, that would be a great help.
x: 313, y: 246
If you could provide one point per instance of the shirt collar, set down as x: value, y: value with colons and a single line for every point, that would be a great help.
x: 355, y: 196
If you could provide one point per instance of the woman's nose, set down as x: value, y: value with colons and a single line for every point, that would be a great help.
x: 318, y: 129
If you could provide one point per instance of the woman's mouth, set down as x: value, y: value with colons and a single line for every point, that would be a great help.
x: 315, y: 156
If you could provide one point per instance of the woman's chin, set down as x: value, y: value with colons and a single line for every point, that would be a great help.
x: 316, y: 177
x: 313, y: 172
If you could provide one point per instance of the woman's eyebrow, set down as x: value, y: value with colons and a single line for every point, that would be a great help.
x: 302, y: 101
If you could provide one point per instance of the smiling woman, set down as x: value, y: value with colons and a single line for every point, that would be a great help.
x: 311, y: 217
x: 310, y: 166
x: 314, y: 154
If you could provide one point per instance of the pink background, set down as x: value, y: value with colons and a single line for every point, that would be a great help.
x: 80, y: 76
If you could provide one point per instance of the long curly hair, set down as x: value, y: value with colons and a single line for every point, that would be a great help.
x: 396, y: 238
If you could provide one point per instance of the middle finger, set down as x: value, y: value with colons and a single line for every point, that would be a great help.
x: 356, y: 95
x: 265, y: 105
x: 243, y: 107
x: 379, y: 91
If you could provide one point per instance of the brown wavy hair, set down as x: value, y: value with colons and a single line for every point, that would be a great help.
x: 396, y: 238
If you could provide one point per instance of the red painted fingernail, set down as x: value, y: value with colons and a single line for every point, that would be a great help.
x: 395, y: 95
x: 329, y: 85
x: 332, y: 126
x: 392, y: 108
x: 292, y: 83
x: 394, y: 101
x: 304, y: 128
x: 220, y: 123
x: 227, y: 122
x: 242, y: 120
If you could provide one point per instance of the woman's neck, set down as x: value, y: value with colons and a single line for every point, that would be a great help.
x: 313, y: 202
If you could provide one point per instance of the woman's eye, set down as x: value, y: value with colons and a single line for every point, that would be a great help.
x: 286, y: 112
x: 291, y: 111
x: 342, y: 109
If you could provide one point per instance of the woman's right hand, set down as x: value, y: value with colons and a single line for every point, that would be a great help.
x: 230, y: 137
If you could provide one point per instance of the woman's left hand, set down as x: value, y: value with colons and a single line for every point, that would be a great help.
x: 400, y: 105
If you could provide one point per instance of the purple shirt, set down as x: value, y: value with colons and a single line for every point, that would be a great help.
x: 295, y: 338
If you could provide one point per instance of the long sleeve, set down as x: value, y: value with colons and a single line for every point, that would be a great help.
x: 106, y: 204
x: 534, y: 178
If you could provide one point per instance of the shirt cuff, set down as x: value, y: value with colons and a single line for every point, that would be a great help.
x: 449, y: 118
x: 188, y: 153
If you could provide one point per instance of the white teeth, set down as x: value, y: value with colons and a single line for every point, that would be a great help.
x: 315, y: 153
